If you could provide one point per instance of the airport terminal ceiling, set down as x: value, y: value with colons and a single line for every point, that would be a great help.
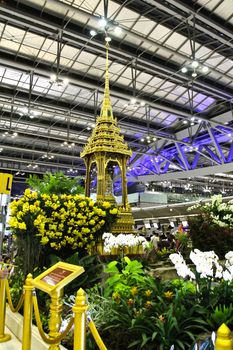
x: 170, y: 69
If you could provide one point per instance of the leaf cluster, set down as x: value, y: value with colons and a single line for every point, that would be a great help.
x: 56, y: 183
x: 122, y: 278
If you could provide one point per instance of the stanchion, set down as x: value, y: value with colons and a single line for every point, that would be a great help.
x: 3, y: 279
x: 27, y: 313
x: 224, y: 339
x: 55, y: 318
x: 79, y: 310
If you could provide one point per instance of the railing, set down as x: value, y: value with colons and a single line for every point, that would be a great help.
x: 28, y: 298
x: 79, y: 320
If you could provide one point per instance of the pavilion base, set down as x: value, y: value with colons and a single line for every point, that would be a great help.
x: 124, y: 222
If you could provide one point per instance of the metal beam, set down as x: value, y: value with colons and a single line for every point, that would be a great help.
x: 74, y: 37
x: 211, y: 170
x: 45, y: 72
x: 204, y: 19
x: 216, y: 144
x: 39, y: 163
x: 87, y: 84
x: 37, y: 152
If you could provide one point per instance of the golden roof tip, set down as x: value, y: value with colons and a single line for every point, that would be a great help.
x: 106, y: 88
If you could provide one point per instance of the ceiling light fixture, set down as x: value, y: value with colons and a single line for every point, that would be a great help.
x: 194, y: 67
x: 93, y: 32
x: 108, y: 39
x: 106, y: 25
x: 195, y: 64
x: 134, y: 102
x: 55, y: 78
x: 47, y: 156
x: 68, y: 144
x: 102, y: 23
x: 149, y: 138
x: 58, y: 81
x: 10, y: 133
x: 72, y: 171
x: 32, y: 166
x: 184, y: 70
x: 27, y: 111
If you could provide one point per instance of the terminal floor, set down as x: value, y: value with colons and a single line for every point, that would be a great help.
x: 13, y: 344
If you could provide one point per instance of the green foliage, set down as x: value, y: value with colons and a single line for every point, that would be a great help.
x: 177, y: 326
x: 183, y: 288
x: 213, y: 229
x: 164, y: 253
x: 16, y: 283
x: 155, y: 324
x: 219, y: 315
x: 207, y: 235
x: 56, y: 183
x: 122, y: 278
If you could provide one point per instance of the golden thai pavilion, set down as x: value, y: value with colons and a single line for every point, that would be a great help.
x: 106, y: 149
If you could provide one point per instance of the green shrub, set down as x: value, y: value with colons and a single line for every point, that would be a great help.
x: 207, y: 235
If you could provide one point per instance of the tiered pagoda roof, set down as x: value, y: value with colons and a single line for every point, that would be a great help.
x: 106, y: 134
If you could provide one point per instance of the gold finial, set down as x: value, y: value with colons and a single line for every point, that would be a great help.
x: 106, y: 110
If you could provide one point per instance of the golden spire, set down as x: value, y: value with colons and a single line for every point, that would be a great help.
x: 106, y: 135
x: 106, y: 109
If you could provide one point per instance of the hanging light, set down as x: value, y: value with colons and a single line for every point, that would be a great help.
x: 195, y: 64
x: 102, y: 23
x: 55, y: 77
x: 58, y: 81
x: 32, y: 166
x: 10, y: 133
x: 108, y: 39
x: 184, y: 69
x: 68, y: 144
x: 194, y: 67
x: 47, y: 156
x: 93, y: 32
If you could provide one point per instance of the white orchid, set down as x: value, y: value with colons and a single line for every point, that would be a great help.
x: 206, y: 265
x: 182, y: 269
x: 221, y: 213
x: 122, y: 241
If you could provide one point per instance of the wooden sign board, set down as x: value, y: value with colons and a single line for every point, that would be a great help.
x: 5, y: 183
x: 57, y: 277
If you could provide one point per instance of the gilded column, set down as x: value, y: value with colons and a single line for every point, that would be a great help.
x: 88, y: 178
x: 124, y: 183
x: 100, y: 177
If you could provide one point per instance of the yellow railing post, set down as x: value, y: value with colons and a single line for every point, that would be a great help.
x: 55, y: 318
x: 3, y: 279
x: 224, y: 340
x: 79, y: 310
x: 27, y: 313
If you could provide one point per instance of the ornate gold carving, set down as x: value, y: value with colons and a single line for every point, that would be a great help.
x: 106, y: 145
